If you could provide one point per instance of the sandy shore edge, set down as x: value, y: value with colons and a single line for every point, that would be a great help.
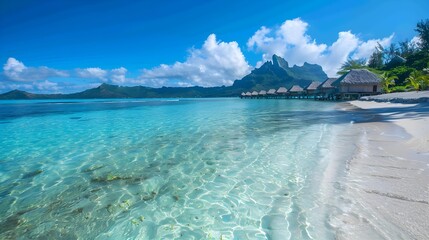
x: 387, y: 183
x: 414, y: 118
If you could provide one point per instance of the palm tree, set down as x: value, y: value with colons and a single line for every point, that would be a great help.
x: 423, y: 30
x: 418, y: 80
x: 387, y: 80
x: 352, y: 64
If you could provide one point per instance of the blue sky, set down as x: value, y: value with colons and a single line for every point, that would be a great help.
x: 68, y: 46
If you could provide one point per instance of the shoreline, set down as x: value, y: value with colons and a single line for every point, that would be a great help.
x: 400, y: 97
x: 387, y: 179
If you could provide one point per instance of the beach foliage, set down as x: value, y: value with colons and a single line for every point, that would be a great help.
x: 402, y: 66
x: 418, y: 80
x: 388, y: 80
x: 402, y: 72
x: 418, y: 60
x: 399, y: 89
x: 352, y: 64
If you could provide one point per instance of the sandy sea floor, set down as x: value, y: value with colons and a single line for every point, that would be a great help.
x: 385, y: 193
x: 162, y: 169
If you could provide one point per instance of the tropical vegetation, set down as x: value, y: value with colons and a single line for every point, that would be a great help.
x: 402, y: 66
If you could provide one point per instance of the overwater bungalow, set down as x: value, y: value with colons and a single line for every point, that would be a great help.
x: 311, y: 90
x: 296, y: 91
x: 281, y: 91
x: 325, y: 90
x: 272, y: 91
x: 357, y: 83
x: 352, y: 85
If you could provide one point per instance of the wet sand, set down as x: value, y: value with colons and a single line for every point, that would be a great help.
x: 387, y: 180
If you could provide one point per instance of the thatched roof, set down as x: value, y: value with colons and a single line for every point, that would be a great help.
x: 243, y: 94
x: 248, y: 94
x: 357, y: 76
x: 271, y: 91
x: 263, y: 92
x: 296, y: 88
x: 312, y: 86
x: 254, y: 93
x: 327, y: 83
x: 282, y: 90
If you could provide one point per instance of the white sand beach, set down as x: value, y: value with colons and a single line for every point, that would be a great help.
x: 387, y: 180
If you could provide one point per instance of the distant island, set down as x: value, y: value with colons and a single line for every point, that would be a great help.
x: 272, y: 74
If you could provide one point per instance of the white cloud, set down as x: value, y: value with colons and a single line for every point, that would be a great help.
x: 338, y: 52
x: 216, y: 63
x: 12, y: 86
x: 38, y: 86
x: 15, y: 70
x: 95, y: 73
x: 287, y: 40
x: 265, y: 43
x: 16, y: 75
x: 46, y: 86
x: 117, y: 75
x: 415, y: 41
x: 291, y: 42
x: 365, y: 49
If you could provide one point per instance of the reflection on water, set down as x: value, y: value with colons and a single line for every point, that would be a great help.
x: 191, y: 169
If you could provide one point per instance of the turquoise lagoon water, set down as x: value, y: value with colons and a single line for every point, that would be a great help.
x: 166, y: 169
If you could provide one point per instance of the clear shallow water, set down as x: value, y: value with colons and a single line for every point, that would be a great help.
x: 165, y: 169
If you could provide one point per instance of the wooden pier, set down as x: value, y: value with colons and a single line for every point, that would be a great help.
x: 318, y: 97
